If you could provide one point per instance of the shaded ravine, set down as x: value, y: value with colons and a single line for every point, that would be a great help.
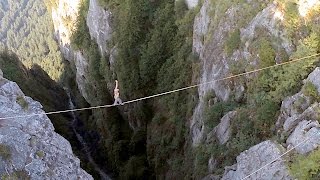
x: 84, y: 145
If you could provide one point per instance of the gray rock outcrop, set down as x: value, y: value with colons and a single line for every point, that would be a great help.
x: 223, y: 130
x: 256, y: 157
x: 212, y: 164
x: 291, y: 109
x: 297, y: 124
x: 201, y: 27
x: 299, y: 106
x: 307, y: 132
x: 29, y: 146
x: 314, y: 78
x: 192, y: 3
x: 272, y: 24
x: 299, y: 116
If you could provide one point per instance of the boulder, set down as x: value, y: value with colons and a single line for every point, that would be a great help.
x: 307, y: 132
x: 223, y: 130
x: 212, y: 164
x: 314, y: 78
x: 192, y: 3
x: 256, y: 157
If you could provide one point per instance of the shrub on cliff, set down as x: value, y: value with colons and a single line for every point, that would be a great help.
x: 306, y: 167
x: 233, y: 42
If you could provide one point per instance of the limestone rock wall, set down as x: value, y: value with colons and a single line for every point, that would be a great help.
x: 99, y: 24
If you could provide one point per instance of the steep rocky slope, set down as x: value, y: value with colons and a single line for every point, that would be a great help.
x: 210, y: 37
x: 298, y: 117
x: 297, y: 123
x: 29, y: 146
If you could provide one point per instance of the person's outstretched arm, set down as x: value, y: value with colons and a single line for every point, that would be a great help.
x: 116, y: 84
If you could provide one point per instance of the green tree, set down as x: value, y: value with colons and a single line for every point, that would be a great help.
x: 233, y: 42
x: 159, y: 45
x: 266, y: 53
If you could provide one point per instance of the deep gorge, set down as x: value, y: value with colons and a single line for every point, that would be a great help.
x: 219, y: 130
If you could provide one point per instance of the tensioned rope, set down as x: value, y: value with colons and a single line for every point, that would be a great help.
x: 299, y: 144
x: 165, y: 93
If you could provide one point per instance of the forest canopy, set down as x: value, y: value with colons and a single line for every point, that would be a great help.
x: 26, y: 29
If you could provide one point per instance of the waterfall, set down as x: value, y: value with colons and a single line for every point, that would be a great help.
x: 84, y: 145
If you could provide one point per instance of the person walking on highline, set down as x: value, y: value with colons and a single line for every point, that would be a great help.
x: 117, y: 100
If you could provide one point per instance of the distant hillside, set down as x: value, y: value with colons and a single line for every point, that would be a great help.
x: 26, y: 29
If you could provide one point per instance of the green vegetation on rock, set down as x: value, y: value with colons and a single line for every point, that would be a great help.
x: 16, y: 175
x: 306, y: 167
x: 310, y: 90
x: 5, y: 152
x: 214, y: 113
x: 233, y: 42
x: 22, y: 102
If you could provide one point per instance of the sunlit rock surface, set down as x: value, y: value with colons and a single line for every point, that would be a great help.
x: 306, y: 6
x: 98, y: 21
x: 64, y: 17
x: 256, y: 157
x: 192, y: 3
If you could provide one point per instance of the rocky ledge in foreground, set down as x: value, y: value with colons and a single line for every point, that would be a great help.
x: 29, y: 147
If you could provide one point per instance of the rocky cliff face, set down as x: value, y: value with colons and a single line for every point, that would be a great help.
x: 210, y: 36
x: 297, y: 122
x: 29, y: 147
x: 299, y: 116
x: 99, y: 24
x: 63, y: 33
x: 298, y: 119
